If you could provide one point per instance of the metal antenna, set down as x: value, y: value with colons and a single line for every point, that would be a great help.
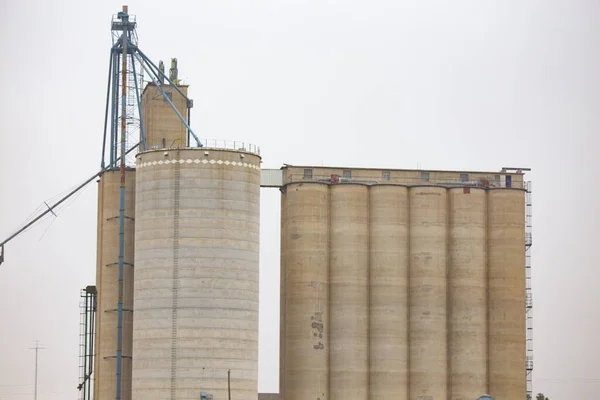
x: 36, y: 348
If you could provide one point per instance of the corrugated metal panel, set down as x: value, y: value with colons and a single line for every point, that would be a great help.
x: 271, y: 178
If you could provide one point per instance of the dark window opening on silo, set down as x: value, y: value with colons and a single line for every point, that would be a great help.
x: 385, y: 175
x: 169, y: 95
x: 308, y: 173
x: 425, y: 176
x: 464, y: 177
x: 347, y: 174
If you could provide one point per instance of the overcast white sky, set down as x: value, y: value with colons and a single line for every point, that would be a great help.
x: 373, y: 83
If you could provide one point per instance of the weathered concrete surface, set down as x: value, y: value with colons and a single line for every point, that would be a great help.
x: 388, y: 290
x: 441, y: 291
x: 196, y: 282
x: 467, y: 293
x: 506, y: 337
x: 305, y: 323
x: 107, y: 275
x: 162, y: 127
x: 427, y: 299
x: 349, y: 292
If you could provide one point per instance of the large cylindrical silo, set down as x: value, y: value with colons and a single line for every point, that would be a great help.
x: 196, y: 282
x: 305, y: 288
x: 427, y: 298
x: 467, y: 293
x: 349, y: 292
x: 506, y: 297
x: 107, y: 282
x: 388, y: 315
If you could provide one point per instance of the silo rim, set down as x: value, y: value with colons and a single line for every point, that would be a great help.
x: 199, y: 149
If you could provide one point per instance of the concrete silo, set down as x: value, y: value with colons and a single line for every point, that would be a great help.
x: 388, y: 292
x: 422, y: 288
x: 305, y: 324
x: 467, y: 292
x: 349, y: 292
x: 428, y: 292
x: 506, y: 295
x: 196, y: 281
x: 107, y: 273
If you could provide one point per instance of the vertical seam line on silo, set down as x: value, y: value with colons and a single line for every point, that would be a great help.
x: 487, y: 291
x: 175, y: 283
x: 408, y: 288
x: 449, y: 284
x: 368, y: 292
x: 283, y: 294
x: 329, y: 341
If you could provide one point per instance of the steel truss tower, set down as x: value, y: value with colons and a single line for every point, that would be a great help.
x: 124, y: 131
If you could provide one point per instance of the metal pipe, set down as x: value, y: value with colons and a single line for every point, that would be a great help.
x: 189, y: 116
x: 229, y: 384
x: 71, y: 193
x: 137, y: 94
x: 124, y: 41
x: 106, y: 109
x: 85, y: 348
x: 115, y: 72
x: 168, y: 100
x: 92, y: 332
x: 161, y: 75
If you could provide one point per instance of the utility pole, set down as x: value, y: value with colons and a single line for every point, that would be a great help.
x: 36, y: 348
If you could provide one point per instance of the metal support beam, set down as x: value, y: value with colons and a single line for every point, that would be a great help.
x: 168, y: 100
x: 139, y: 103
x: 119, y: 354
x: 110, y: 63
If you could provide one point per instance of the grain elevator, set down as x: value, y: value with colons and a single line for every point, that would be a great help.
x: 404, y: 284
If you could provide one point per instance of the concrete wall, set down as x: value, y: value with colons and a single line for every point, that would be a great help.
x: 159, y: 119
x: 107, y: 273
x: 425, y: 288
x: 196, y: 282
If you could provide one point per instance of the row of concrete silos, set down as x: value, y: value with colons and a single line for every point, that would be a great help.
x: 191, y: 307
x: 402, y: 292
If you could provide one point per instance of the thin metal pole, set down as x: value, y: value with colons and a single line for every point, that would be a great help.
x: 229, y: 384
x: 124, y: 41
x: 36, y: 369
x: 36, y: 348
x: 189, y: 116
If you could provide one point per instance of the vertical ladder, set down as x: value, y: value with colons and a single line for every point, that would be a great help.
x: 528, y: 294
x: 87, y: 334
x: 82, y: 343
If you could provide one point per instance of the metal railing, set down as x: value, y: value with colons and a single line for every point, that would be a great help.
x: 230, y: 145
x: 409, y: 181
